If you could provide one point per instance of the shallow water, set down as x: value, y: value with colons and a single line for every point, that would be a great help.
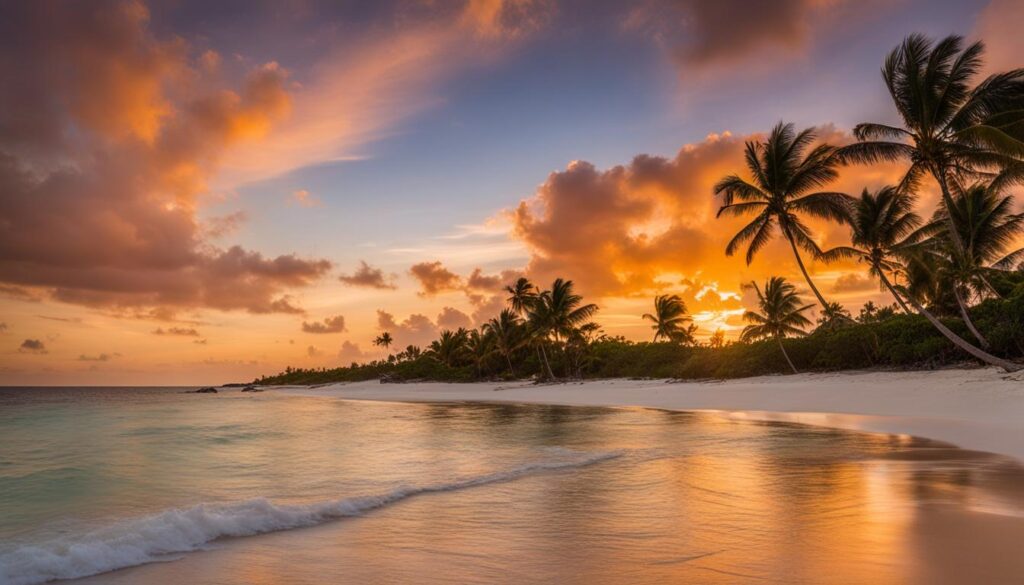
x: 267, y: 488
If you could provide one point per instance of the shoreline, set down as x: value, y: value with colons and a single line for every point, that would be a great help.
x: 973, y: 409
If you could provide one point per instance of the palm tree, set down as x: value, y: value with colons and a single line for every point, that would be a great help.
x: 669, y: 318
x: 882, y: 226
x: 578, y: 345
x: 507, y: 331
x: 785, y: 183
x: 834, y: 316
x: 522, y: 295
x: 479, y: 347
x: 555, y: 313
x: 383, y: 340
x: 781, y: 315
x: 949, y: 128
x: 983, y: 218
x: 450, y: 347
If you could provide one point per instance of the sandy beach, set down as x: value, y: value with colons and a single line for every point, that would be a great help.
x: 979, y: 409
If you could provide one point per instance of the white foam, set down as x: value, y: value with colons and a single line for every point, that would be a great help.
x: 144, y: 540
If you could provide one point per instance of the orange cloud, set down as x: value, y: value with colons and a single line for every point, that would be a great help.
x: 113, y: 136
x: 650, y: 226
x: 434, y: 278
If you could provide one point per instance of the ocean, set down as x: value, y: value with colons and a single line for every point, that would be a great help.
x: 155, y: 485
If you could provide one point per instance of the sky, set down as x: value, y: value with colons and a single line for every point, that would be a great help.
x: 196, y: 192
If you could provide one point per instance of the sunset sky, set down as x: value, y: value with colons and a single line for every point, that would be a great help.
x: 202, y: 192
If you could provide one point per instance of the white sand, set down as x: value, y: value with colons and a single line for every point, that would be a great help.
x: 981, y: 409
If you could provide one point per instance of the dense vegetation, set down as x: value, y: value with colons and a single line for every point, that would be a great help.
x: 956, y: 277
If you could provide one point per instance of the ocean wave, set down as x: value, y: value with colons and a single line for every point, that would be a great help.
x: 153, y: 538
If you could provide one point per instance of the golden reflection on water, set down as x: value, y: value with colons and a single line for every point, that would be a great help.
x: 697, y: 498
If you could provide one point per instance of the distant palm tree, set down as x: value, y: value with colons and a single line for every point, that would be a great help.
x: 883, y: 227
x: 522, y: 295
x: 834, y: 316
x: 479, y: 347
x: 781, y: 315
x: 555, y: 314
x: 669, y: 319
x: 508, y: 333
x: 450, y: 348
x: 717, y: 339
x: 383, y: 340
x: 949, y: 128
x: 785, y: 183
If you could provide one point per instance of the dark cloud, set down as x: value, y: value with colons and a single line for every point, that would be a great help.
x: 32, y: 346
x: 334, y: 324
x: 178, y: 331
x: 702, y: 33
x: 107, y: 138
x: 313, y: 352
x: 367, y: 276
x: 434, y: 278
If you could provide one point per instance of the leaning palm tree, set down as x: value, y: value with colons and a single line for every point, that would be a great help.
x: 950, y: 129
x: 507, y: 331
x: 669, y: 319
x: 785, y: 183
x: 383, y: 340
x: 984, y: 220
x: 781, y: 315
x: 883, y: 227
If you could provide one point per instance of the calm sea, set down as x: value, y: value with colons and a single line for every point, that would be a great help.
x: 152, y: 485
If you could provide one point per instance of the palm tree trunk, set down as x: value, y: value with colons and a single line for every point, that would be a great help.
x: 958, y: 341
x: 547, y: 364
x: 807, y: 277
x: 967, y: 318
x: 899, y: 299
x: 947, y: 202
x: 786, y: 355
x: 510, y: 369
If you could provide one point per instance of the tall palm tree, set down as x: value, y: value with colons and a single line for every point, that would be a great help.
x: 781, y: 315
x: 950, y: 129
x: 669, y: 319
x: 507, y: 331
x: 785, y: 183
x: 383, y: 340
x: 883, y: 226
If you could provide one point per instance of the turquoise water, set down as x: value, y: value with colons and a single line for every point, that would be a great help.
x: 275, y: 488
